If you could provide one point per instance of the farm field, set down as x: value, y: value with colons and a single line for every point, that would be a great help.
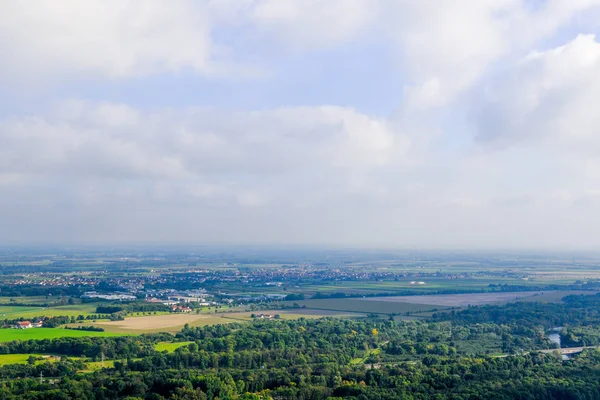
x: 27, y: 312
x: 160, y: 323
x: 294, y: 314
x: 8, y: 335
x: 22, y: 358
x: 372, y: 305
x: 16, y: 311
x: 422, y: 304
x: 555, y: 296
x: 12, y: 312
x: 175, y: 322
x: 432, y: 285
x: 455, y: 300
x: 26, y: 299
x: 476, y: 299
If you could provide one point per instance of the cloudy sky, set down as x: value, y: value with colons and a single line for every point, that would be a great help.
x: 375, y: 123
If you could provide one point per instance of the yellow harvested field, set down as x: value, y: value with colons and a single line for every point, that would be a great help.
x: 163, y: 323
x: 175, y: 322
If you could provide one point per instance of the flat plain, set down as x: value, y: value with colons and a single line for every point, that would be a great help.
x: 457, y: 300
x: 367, y: 305
x: 424, y: 304
x: 175, y: 322
x: 75, y: 310
x: 8, y: 335
x: 478, y: 299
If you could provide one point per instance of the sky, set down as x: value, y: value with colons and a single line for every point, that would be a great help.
x: 468, y: 124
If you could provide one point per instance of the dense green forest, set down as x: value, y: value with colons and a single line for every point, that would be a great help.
x: 488, y: 352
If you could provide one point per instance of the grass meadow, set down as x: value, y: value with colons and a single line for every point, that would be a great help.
x: 9, y: 335
x: 170, y: 346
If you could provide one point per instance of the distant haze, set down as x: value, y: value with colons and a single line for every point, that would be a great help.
x: 370, y: 123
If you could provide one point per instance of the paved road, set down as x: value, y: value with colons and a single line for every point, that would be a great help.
x: 569, y: 350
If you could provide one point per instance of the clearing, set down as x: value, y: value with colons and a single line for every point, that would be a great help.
x: 170, y: 346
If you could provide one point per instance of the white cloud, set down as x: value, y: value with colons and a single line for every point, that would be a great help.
x: 548, y: 96
x: 448, y: 46
x: 312, y: 24
x: 118, y: 141
x: 108, y: 37
x: 445, y: 46
x: 111, y: 171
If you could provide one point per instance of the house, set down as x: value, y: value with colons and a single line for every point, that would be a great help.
x: 264, y: 316
x: 159, y: 301
x: 181, y: 309
x: 186, y: 299
x: 23, y: 325
x: 276, y: 296
x: 37, y: 324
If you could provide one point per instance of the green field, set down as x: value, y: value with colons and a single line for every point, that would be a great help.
x: 7, y: 312
x: 170, y: 346
x: 173, y: 323
x: 97, y: 365
x: 22, y: 358
x: 8, y: 335
x: 13, y: 312
x: 27, y: 299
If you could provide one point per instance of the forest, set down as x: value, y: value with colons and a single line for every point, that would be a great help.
x: 490, y: 352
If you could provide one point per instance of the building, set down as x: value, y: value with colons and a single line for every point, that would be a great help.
x: 186, y: 299
x: 23, y: 325
x: 159, y: 301
x: 276, y: 296
x: 264, y: 316
x: 112, y: 296
x: 183, y: 309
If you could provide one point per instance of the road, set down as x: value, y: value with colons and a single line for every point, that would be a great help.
x: 569, y: 350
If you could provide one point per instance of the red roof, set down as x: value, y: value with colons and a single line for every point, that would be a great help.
x: 24, y: 323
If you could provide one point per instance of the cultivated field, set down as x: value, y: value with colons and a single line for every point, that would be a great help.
x: 423, y: 305
x: 175, y: 322
x: 13, y: 312
x: 555, y: 296
x: 16, y: 311
x: 456, y: 300
x: 22, y: 358
x: 8, y: 335
x: 158, y: 323
x: 476, y: 299
x: 366, y: 305
x: 293, y: 314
